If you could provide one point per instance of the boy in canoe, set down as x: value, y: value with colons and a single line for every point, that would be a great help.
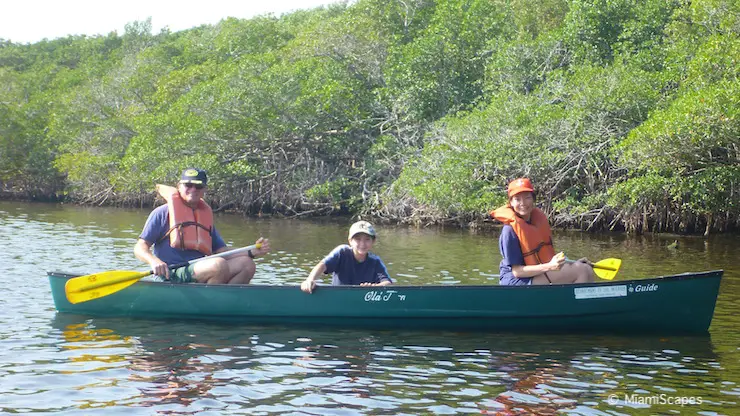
x: 183, y: 230
x: 352, y: 264
x: 526, y: 244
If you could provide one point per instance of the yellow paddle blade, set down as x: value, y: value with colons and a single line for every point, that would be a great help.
x: 606, y: 269
x: 93, y: 286
x: 99, y: 292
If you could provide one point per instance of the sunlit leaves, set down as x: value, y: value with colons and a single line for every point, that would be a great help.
x: 622, y: 111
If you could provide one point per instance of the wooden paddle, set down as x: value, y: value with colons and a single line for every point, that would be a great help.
x: 605, y: 269
x: 93, y: 286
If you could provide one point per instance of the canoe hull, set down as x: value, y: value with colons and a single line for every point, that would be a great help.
x: 671, y: 304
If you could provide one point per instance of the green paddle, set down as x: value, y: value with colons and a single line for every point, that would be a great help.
x: 94, y: 286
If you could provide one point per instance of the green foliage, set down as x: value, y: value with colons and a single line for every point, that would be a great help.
x: 561, y: 137
x: 623, y: 112
x: 521, y: 66
x: 441, y: 69
x: 634, y: 194
x: 596, y: 30
x: 533, y: 18
x: 338, y: 195
x: 692, y: 143
x: 698, y: 130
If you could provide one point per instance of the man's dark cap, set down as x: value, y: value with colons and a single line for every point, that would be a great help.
x: 193, y: 175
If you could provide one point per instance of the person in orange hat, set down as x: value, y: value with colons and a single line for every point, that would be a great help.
x: 526, y: 243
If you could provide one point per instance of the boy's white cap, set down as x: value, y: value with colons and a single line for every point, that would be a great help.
x: 361, y: 227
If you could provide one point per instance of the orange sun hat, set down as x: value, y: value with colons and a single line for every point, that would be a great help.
x: 518, y: 186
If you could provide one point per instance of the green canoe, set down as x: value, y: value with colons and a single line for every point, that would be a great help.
x: 681, y: 303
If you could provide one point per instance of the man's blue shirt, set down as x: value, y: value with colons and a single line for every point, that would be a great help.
x: 157, y: 226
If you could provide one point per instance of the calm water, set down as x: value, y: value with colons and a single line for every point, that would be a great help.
x: 66, y: 364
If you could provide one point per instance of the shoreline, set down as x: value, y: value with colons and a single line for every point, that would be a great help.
x: 475, y: 225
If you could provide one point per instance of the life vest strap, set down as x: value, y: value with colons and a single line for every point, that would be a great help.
x: 179, y: 228
x: 537, y: 249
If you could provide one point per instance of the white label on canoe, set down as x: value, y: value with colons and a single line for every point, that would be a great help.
x: 600, y: 292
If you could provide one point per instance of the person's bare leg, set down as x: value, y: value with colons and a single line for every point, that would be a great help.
x: 241, y: 269
x: 214, y: 270
x: 569, y: 273
x: 586, y: 273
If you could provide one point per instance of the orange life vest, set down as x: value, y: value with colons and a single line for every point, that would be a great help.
x: 190, y: 229
x: 535, y: 237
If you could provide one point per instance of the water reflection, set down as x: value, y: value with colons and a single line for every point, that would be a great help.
x: 189, y: 368
x: 167, y: 368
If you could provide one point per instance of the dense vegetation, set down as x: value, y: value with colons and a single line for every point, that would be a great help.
x: 623, y: 112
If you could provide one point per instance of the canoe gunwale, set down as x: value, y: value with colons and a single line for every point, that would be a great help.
x: 681, y: 276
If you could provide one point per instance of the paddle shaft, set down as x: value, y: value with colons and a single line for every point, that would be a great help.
x: 221, y: 254
x: 137, y: 276
x: 594, y: 265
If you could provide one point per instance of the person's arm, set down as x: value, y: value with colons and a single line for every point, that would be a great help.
x: 309, y: 284
x: 511, y: 252
x: 554, y: 264
x: 386, y: 279
x: 384, y: 282
x: 143, y: 252
x: 382, y: 275
x: 327, y: 265
x: 219, y: 246
x: 264, y: 247
x: 154, y: 228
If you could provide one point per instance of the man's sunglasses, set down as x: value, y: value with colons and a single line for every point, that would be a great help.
x: 196, y: 185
